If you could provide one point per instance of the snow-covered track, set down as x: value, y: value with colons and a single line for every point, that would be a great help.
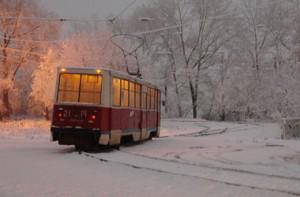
x: 210, y: 166
x: 205, y: 132
x: 232, y: 177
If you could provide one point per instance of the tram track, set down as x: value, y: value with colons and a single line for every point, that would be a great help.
x: 206, y: 132
x: 260, y: 181
x: 171, y: 167
x: 201, y: 165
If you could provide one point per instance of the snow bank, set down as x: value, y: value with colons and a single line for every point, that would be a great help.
x: 25, y: 129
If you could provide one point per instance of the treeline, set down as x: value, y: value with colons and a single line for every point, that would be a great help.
x: 222, y: 59
x: 31, y: 48
x: 213, y: 59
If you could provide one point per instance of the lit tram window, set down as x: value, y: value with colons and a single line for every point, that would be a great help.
x: 148, y: 98
x: 116, y: 92
x: 68, y: 87
x: 131, y: 94
x: 157, y: 103
x: 155, y: 99
x: 144, y: 97
x: 137, y: 95
x: 90, y: 89
x: 80, y: 88
x: 152, y: 98
x: 124, y: 93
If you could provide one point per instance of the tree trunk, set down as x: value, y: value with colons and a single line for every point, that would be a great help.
x: 194, y: 100
x: 46, y: 114
x: 166, y: 100
x: 6, y: 104
x: 223, y: 115
x: 173, y: 67
x: 180, y: 113
x: 195, y: 108
x: 194, y: 92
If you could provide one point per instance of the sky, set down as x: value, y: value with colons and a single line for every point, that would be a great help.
x: 87, y: 8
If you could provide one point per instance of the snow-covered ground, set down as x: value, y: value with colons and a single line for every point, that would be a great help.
x: 192, y: 158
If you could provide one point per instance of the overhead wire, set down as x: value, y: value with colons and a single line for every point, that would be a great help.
x: 21, y: 50
x: 62, y: 19
x: 51, y: 19
x: 85, y: 20
x: 56, y: 20
x: 122, y: 11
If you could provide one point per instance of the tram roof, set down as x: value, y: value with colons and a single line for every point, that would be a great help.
x: 113, y: 72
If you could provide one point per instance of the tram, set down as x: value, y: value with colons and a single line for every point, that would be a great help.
x: 101, y: 107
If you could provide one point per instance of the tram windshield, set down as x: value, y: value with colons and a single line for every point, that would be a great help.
x: 81, y: 88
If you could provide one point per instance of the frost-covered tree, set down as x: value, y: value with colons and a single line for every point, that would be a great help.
x: 20, y: 33
x: 92, y: 49
x: 199, y: 30
x: 43, y: 83
x: 223, y: 59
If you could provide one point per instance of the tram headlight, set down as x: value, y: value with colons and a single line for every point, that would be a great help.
x: 63, y: 70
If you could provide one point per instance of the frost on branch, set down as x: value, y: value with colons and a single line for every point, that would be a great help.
x: 23, y: 39
x: 43, y: 84
x: 91, y: 49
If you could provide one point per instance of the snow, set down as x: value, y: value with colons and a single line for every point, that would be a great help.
x: 192, y: 158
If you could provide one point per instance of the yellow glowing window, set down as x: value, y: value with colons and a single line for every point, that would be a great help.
x: 90, y: 89
x: 148, y: 98
x: 137, y: 95
x: 116, y: 85
x: 80, y: 88
x: 155, y: 99
x: 124, y: 93
x: 131, y: 94
x: 152, y: 98
x: 68, y: 88
x: 144, y: 97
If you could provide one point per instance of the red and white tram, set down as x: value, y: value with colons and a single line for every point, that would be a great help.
x: 103, y: 107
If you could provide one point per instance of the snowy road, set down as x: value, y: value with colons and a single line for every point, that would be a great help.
x: 194, y: 158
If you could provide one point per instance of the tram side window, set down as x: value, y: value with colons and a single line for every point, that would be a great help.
x: 124, y: 93
x: 152, y: 98
x: 90, y: 89
x: 144, y: 97
x: 116, y: 91
x: 131, y: 94
x: 155, y: 100
x: 137, y: 95
x: 148, y: 98
x: 68, y: 88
